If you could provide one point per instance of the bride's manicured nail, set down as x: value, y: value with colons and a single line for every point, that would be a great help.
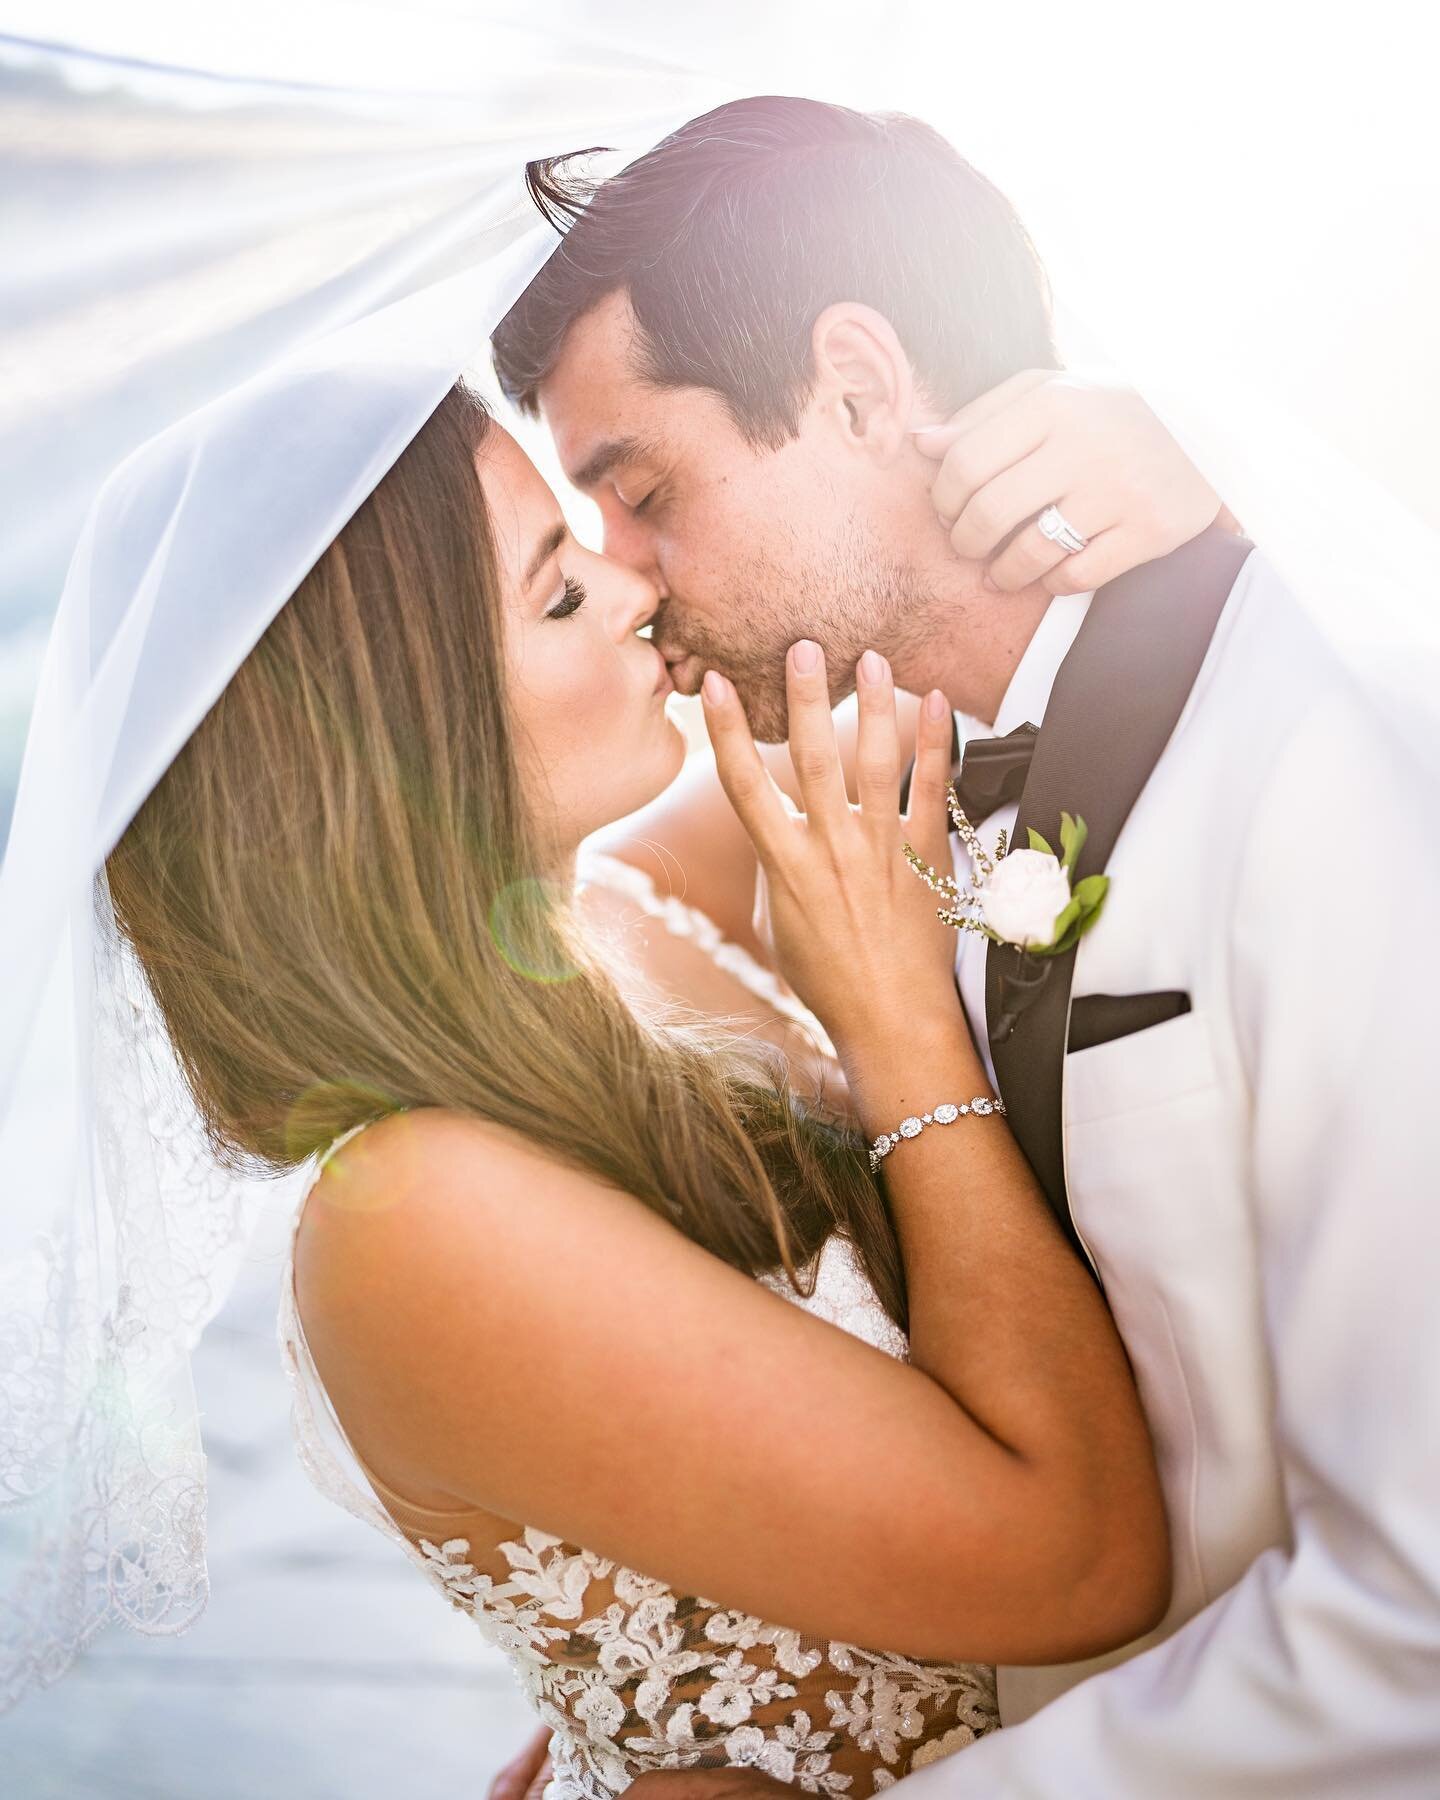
x: 934, y: 704
x: 872, y: 668
x: 715, y: 687
x: 806, y: 655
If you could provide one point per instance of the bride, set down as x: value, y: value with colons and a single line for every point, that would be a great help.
x: 593, y: 1256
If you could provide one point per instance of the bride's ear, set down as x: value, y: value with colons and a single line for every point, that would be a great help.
x: 864, y: 384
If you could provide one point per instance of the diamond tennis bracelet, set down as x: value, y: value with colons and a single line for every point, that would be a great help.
x: 942, y: 1115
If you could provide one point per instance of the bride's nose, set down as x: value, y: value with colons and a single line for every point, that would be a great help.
x: 634, y: 603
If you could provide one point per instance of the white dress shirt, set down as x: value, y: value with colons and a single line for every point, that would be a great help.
x: 1025, y: 701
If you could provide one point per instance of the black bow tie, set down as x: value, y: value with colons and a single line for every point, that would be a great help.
x: 992, y: 772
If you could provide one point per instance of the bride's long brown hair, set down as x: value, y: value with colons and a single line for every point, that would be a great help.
x: 336, y: 895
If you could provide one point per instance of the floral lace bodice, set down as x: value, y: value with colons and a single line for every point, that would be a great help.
x: 632, y: 1676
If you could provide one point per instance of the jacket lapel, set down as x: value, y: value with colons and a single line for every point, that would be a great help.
x: 1115, y: 703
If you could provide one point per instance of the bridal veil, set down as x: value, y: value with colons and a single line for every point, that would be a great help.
x: 267, y: 328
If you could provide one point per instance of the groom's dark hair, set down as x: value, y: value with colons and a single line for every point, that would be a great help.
x: 735, y: 232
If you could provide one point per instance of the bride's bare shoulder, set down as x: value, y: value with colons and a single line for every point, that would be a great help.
x: 413, y: 1197
x: 434, y: 1250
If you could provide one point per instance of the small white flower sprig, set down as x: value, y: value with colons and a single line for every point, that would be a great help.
x: 1023, y: 898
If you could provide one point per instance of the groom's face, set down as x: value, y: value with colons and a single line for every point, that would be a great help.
x: 749, y: 548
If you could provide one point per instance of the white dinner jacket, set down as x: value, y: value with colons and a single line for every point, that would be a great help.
x: 1258, y: 1186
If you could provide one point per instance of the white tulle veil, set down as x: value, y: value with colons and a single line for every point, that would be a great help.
x: 365, y: 239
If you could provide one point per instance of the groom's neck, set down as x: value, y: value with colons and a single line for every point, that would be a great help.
x: 972, y: 642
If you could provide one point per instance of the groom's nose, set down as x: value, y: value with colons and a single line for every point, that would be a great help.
x: 628, y: 540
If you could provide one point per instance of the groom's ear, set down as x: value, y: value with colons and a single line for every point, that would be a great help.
x: 864, y: 385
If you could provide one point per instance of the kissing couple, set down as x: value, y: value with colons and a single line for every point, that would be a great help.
x: 917, y: 1223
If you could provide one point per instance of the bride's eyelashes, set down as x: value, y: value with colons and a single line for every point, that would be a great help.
x: 572, y: 599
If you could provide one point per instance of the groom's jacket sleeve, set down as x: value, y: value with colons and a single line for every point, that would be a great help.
x: 1318, y: 1674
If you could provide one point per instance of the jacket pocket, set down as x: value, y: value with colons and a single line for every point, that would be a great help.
x: 1101, y: 1018
x: 1139, y: 1069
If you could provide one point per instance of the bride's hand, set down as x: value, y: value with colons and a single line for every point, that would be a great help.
x: 855, y: 932
x: 1095, y: 450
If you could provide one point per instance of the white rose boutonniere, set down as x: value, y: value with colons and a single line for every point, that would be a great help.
x: 1026, y: 898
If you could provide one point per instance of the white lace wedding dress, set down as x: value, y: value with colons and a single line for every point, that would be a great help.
x: 630, y: 1675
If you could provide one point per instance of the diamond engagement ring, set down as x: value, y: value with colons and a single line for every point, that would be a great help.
x: 1054, y: 525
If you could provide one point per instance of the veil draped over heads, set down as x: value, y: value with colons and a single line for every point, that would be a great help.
x: 267, y: 419
x: 248, y: 285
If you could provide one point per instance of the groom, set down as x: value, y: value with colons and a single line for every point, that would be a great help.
x: 1227, y: 1091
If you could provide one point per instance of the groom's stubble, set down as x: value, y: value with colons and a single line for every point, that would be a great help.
x: 861, y: 594
x: 753, y: 546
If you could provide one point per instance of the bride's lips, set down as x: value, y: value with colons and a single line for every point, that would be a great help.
x: 663, y: 684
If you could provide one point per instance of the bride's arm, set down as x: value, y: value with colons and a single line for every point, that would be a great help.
x: 523, y: 1337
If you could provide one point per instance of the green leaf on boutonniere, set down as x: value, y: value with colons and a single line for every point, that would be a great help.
x: 1073, y: 833
x: 1066, y: 919
x: 1037, y: 842
x: 1084, y: 909
x: 1091, y: 894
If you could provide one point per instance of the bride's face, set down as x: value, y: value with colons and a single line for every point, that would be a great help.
x: 587, y: 694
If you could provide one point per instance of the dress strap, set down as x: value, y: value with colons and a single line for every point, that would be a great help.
x: 600, y: 870
x: 319, y: 1439
x: 406, y: 1512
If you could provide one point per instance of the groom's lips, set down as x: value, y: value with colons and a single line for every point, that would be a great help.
x: 685, y: 671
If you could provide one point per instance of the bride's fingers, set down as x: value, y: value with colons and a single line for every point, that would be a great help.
x: 976, y: 458
x: 1015, y: 495
x: 813, y: 750
x: 927, y: 826
x: 1106, y: 555
x: 1030, y: 555
x: 760, y: 913
x: 935, y: 440
x: 747, y: 782
x: 877, y: 745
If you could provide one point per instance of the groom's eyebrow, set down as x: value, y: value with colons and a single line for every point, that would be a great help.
x: 608, y: 455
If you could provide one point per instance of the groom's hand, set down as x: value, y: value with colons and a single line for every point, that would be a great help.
x: 707, y: 1784
x: 1095, y: 450
x: 525, y: 1776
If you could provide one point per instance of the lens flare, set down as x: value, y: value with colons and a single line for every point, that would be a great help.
x: 323, y: 1113
x: 522, y: 925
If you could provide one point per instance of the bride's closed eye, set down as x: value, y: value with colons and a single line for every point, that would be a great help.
x: 571, y: 600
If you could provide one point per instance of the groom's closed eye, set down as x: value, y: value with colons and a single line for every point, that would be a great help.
x: 637, y: 506
x: 613, y: 454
